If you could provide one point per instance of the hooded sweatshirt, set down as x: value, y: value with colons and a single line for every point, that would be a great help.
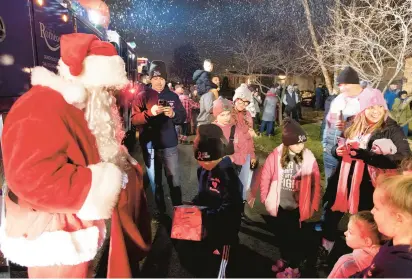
x: 220, y: 190
x: 392, y: 261
x: 354, y: 262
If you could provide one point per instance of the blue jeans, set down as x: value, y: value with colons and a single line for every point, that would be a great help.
x: 169, y: 160
x: 405, y: 129
x: 267, y: 126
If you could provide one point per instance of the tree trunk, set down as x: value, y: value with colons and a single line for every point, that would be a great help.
x: 316, y: 45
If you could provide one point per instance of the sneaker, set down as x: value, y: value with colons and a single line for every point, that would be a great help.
x: 279, y: 266
x: 289, y: 273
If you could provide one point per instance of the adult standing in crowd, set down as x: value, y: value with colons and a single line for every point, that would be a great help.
x: 291, y: 100
x: 391, y: 94
x: 156, y: 111
x: 257, y: 101
x: 341, y: 113
x: 401, y: 110
x: 269, y: 112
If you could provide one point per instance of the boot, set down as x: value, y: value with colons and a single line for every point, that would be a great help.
x: 160, y: 200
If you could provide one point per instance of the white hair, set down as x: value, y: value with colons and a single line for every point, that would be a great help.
x: 105, y: 123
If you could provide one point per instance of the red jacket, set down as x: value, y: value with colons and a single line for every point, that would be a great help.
x: 272, y: 172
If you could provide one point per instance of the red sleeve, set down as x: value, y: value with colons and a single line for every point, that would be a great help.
x: 140, y: 109
x: 268, y: 172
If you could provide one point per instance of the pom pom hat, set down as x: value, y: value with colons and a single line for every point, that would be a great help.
x: 243, y: 92
x: 88, y: 60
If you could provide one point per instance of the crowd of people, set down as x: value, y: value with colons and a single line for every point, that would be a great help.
x: 75, y: 172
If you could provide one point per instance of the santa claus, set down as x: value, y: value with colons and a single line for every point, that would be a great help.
x: 64, y: 163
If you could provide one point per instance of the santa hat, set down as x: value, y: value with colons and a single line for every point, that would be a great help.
x: 348, y: 76
x: 220, y: 105
x: 243, y: 92
x: 210, y: 143
x: 370, y: 98
x: 292, y: 132
x: 90, y: 61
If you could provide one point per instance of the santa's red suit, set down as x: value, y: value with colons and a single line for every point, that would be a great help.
x: 60, y: 190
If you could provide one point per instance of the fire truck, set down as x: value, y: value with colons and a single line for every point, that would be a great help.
x: 30, y: 33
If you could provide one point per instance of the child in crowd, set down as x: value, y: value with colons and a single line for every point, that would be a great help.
x: 269, y: 112
x: 219, y: 190
x: 222, y: 111
x: 392, y: 212
x: 290, y: 191
x: 364, y: 238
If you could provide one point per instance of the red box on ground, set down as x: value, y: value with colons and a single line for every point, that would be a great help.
x: 188, y: 223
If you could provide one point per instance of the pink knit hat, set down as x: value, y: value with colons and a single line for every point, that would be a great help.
x: 220, y: 105
x: 371, y: 97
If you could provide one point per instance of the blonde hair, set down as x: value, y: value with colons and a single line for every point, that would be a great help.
x: 360, y: 125
x: 366, y: 218
x: 397, y: 190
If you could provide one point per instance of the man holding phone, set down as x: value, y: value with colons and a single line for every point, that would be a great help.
x: 156, y: 111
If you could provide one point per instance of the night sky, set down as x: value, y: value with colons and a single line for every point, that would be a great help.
x: 159, y: 26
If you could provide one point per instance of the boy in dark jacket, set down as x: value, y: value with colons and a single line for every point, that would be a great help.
x: 220, y: 190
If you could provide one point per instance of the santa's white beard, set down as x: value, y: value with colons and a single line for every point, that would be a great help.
x: 105, y: 123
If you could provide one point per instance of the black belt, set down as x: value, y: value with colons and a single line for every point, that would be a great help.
x: 13, y: 197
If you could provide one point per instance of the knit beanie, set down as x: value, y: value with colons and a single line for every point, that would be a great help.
x: 157, y: 69
x: 348, y: 76
x: 371, y: 97
x: 220, y: 105
x: 210, y: 143
x: 243, y: 92
x: 292, y: 132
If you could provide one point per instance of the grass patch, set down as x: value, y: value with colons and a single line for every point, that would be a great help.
x: 266, y: 144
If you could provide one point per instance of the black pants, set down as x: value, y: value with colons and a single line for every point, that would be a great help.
x: 299, y: 109
x: 289, y: 235
x: 185, y: 129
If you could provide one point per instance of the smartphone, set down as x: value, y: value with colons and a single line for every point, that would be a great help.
x: 341, y: 141
x: 163, y: 103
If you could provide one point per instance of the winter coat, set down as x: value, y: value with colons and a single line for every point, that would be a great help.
x: 244, y: 144
x: 401, y: 110
x: 392, y: 261
x: 269, y: 107
x: 159, y: 129
x: 392, y: 131
x: 309, y: 188
x: 206, y: 109
x: 356, y: 261
x: 220, y: 191
x: 59, y: 190
x: 203, y: 81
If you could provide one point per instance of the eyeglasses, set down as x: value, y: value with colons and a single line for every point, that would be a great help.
x: 240, y: 101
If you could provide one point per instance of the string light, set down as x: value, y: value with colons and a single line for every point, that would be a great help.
x: 65, y: 18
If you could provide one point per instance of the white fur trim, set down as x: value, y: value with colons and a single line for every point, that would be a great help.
x: 73, y: 93
x: 98, y: 71
x: 52, y: 248
x: 104, y: 192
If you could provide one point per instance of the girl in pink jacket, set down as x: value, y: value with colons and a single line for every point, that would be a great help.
x: 364, y: 238
x: 290, y: 191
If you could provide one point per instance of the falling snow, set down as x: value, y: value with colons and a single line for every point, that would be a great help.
x: 158, y: 26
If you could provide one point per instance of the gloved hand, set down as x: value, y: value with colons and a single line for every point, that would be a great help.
x: 361, y: 154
